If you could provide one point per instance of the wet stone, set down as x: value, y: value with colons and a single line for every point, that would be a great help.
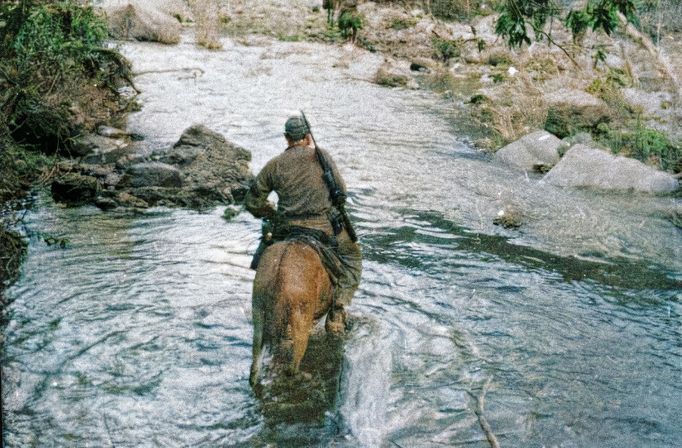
x: 74, y: 188
x: 152, y: 174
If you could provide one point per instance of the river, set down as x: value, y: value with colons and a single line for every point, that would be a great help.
x: 565, y: 333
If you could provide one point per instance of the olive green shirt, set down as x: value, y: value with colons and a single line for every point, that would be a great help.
x: 296, y: 176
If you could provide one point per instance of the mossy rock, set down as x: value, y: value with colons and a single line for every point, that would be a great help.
x: 567, y: 121
x: 75, y: 189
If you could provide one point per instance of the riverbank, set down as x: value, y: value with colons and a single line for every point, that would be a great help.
x: 58, y: 81
x: 628, y: 101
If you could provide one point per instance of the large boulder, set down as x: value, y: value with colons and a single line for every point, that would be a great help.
x: 583, y: 166
x: 201, y: 170
x: 538, y: 151
x: 152, y: 174
x: 136, y: 20
x: 212, y: 167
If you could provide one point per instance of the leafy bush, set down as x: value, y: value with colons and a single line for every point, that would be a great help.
x: 645, y: 144
x: 58, y: 37
x: 349, y: 23
x: 517, y: 17
x: 445, y: 49
x: 49, y: 53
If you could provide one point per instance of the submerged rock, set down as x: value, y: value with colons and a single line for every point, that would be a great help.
x: 583, y: 166
x: 538, y: 151
x: 509, y: 218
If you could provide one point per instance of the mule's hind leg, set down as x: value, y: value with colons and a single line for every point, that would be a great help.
x: 300, y: 325
x: 258, y: 317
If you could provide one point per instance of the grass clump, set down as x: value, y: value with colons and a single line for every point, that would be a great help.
x: 52, y: 61
x: 645, y: 144
x: 456, y: 9
x: 402, y: 23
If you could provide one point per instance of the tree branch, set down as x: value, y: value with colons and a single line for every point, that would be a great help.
x: 553, y: 42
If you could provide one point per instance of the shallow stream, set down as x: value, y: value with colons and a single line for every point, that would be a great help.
x: 138, y: 333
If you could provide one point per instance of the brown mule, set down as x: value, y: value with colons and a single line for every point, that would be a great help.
x: 290, y: 292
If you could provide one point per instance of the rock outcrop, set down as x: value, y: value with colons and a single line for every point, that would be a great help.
x: 583, y: 166
x: 395, y: 74
x: 538, y: 151
x: 201, y: 170
x: 139, y: 21
x: 75, y: 188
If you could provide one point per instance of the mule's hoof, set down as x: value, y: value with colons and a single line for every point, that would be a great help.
x: 336, y: 322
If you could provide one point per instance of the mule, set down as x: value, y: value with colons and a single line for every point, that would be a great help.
x: 291, y: 291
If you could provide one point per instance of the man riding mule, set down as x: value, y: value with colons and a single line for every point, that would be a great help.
x: 311, y: 195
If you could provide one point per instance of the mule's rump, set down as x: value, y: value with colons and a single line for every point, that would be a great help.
x: 291, y: 290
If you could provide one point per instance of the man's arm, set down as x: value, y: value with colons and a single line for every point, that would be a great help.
x: 256, y: 201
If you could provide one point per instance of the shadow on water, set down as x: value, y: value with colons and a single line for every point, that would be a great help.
x: 432, y: 230
x: 299, y: 410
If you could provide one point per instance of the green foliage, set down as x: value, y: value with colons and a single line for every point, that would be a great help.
x: 518, y: 16
x: 55, y: 37
x: 12, y: 253
x: 349, y: 23
x: 645, y: 144
x: 49, y: 51
x: 19, y: 167
x: 446, y: 49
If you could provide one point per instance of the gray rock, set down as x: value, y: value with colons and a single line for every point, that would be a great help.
x: 138, y: 21
x: 111, y: 132
x: 395, y: 74
x: 583, y: 166
x: 126, y: 199
x: 106, y: 203
x: 531, y: 152
x: 104, y: 150
x: 573, y: 97
x: 151, y: 174
x: 74, y: 188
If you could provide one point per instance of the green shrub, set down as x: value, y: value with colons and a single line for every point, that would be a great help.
x: 645, y: 144
x: 56, y: 37
x: 445, y: 49
x: 349, y: 23
x: 51, y: 52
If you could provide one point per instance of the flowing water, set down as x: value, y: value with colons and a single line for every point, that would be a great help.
x: 566, y: 332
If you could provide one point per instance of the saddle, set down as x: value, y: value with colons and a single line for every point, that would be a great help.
x: 321, y: 242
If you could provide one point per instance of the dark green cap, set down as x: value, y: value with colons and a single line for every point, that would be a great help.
x: 295, y: 128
